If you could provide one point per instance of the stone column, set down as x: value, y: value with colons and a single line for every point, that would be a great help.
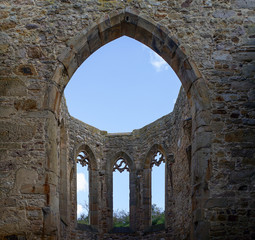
x: 51, y: 210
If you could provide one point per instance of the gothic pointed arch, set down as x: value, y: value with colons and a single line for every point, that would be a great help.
x: 127, y: 159
x: 149, y: 161
x: 153, y: 150
x: 85, y: 156
x: 130, y: 22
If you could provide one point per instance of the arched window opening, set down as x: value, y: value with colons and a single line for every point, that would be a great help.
x: 121, y: 194
x: 126, y: 66
x: 83, y: 168
x: 158, y: 189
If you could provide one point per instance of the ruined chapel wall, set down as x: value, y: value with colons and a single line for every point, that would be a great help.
x: 166, y: 132
x: 81, y: 136
x: 179, y: 206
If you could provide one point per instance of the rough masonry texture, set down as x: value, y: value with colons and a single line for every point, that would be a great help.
x: 208, y: 141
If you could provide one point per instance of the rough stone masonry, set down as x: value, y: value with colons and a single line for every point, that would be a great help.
x: 208, y: 141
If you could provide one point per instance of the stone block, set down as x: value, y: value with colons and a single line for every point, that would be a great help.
x: 240, y: 136
x: 143, y: 36
x: 249, y: 4
x: 82, y: 54
x: 116, y: 17
x: 199, y: 96
x: 6, y: 112
x: 201, y: 140
x: 186, y: 74
x: 35, y: 52
x: 167, y: 53
x: 7, y: 24
x: 200, y: 164
x: 26, y: 105
x: 10, y: 132
x: 146, y: 24
x: 59, y: 76
x: 94, y: 40
x: 223, y: 13
x: 218, y: 203
x: 32, y: 189
x: 111, y: 34
x: 203, y: 119
x: 248, y: 70
x: 72, y: 67
x: 51, y: 145
x: 4, y: 48
x: 104, y: 23
x: 157, y: 45
x: 52, y: 98
x: 10, y: 86
x: 161, y: 32
x: 26, y: 70
x: 128, y: 25
x: 67, y: 56
x: 241, y: 176
x: 25, y: 176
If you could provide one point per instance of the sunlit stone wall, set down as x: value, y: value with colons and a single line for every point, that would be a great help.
x: 209, y: 44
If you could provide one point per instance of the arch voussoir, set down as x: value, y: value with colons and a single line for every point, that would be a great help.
x: 129, y: 23
x: 109, y: 28
x: 144, y: 30
x: 159, y: 38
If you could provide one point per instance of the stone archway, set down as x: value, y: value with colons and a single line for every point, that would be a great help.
x: 135, y: 25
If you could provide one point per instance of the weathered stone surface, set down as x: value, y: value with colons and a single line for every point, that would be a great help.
x: 26, y: 105
x: 12, y: 87
x: 10, y: 132
x: 210, y: 178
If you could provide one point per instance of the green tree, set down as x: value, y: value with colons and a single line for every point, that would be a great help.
x: 120, y: 218
x: 84, y: 218
x: 157, y: 215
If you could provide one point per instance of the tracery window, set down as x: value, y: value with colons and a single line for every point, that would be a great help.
x: 87, y: 185
x: 83, y: 167
x: 158, y: 188
x: 155, y: 183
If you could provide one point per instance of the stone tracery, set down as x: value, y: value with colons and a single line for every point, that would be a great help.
x: 157, y: 159
x: 83, y: 159
x: 120, y: 165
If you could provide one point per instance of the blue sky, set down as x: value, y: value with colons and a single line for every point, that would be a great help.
x: 121, y: 87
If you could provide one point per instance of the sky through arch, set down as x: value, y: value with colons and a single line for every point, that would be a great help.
x: 121, y: 87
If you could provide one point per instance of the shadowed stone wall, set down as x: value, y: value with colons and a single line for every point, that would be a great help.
x: 210, y: 46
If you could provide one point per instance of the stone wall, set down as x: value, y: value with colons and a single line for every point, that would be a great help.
x: 209, y: 44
